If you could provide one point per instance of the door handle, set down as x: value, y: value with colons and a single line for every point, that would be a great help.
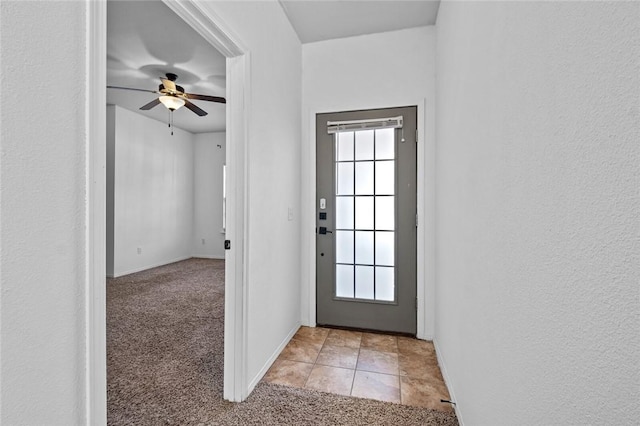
x: 323, y: 230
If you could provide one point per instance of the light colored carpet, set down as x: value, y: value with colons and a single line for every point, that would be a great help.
x: 165, y: 359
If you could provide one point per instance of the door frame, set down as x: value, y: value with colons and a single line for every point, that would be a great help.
x: 213, y: 29
x: 425, y: 274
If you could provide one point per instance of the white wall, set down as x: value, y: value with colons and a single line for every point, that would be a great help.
x: 538, y: 210
x: 273, y: 176
x: 164, y: 193
x: 153, y: 193
x: 373, y: 71
x: 42, y: 213
x: 208, y: 160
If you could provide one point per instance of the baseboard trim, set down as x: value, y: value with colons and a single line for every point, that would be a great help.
x: 447, y: 381
x: 271, y: 360
x: 155, y: 265
x: 208, y: 256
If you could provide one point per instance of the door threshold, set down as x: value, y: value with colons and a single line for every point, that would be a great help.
x: 367, y: 330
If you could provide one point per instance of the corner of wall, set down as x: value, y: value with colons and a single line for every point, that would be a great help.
x: 447, y: 381
x: 269, y: 362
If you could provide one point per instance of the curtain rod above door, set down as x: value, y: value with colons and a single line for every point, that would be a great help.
x: 351, y: 125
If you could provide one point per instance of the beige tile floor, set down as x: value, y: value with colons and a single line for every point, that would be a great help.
x: 377, y: 366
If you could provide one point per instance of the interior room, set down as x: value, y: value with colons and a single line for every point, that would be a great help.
x: 522, y: 119
x: 164, y: 168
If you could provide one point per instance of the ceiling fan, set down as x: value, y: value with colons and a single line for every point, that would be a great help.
x: 173, y: 96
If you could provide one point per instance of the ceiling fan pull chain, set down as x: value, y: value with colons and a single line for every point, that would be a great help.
x: 170, y: 120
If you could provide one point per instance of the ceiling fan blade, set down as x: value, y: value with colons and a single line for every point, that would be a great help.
x: 131, y: 88
x: 150, y: 104
x: 194, y: 108
x: 206, y: 98
x: 168, y: 84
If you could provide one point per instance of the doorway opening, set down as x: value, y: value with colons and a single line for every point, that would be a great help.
x: 216, y: 32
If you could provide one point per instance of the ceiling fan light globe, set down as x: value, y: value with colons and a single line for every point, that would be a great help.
x: 172, y: 102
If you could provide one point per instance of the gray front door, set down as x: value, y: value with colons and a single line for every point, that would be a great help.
x: 366, y: 219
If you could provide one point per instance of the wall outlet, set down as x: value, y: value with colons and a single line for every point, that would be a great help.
x: 203, y: 241
x: 290, y: 214
x: 139, y: 250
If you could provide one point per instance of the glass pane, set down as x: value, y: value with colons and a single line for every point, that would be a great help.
x: 384, y: 284
x: 364, y: 247
x: 385, y: 178
x: 344, y: 212
x: 384, y: 213
x: 364, y: 145
x: 344, y: 281
x: 364, y: 212
x: 344, y: 179
x: 364, y: 178
x: 385, y: 149
x: 344, y: 246
x: 385, y: 248
x: 345, y: 146
x: 364, y: 282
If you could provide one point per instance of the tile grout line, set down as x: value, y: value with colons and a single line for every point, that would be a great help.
x: 355, y: 368
x: 398, y: 376
x: 315, y: 362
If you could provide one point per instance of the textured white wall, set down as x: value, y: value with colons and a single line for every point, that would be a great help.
x: 42, y: 213
x: 273, y: 179
x: 153, y: 193
x: 538, y: 161
x: 390, y: 69
x: 208, y: 159
x: 155, y: 184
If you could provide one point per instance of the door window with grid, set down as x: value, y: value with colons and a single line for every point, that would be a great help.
x: 365, y: 215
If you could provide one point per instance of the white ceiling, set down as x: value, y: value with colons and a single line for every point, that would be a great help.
x: 316, y: 20
x: 145, y: 40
